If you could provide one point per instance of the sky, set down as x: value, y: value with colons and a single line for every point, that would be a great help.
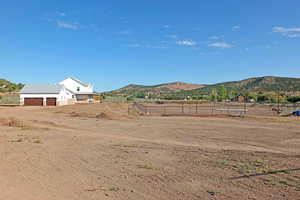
x: 113, y: 43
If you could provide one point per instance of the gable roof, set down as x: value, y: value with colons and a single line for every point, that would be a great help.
x: 80, y: 82
x: 41, y: 89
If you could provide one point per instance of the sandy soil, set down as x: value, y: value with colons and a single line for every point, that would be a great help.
x: 89, y: 152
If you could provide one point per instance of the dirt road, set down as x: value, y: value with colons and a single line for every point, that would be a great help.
x: 92, y: 152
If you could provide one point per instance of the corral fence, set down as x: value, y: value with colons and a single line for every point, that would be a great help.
x: 211, y: 109
x: 191, y: 109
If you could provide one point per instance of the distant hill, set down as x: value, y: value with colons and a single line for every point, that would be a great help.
x: 7, y: 86
x: 155, y: 90
x: 258, y: 84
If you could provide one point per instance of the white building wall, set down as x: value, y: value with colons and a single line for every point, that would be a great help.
x: 72, y: 85
x: 66, y: 97
x: 67, y: 94
x: 61, y: 98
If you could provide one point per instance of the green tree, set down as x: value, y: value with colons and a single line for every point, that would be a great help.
x: 222, y: 93
x: 140, y: 94
x: 214, y: 95
x: 293, y: 99
x: 261, y: 98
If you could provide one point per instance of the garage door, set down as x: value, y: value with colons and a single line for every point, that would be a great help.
x: 51, y: 101
x: 33, y: 101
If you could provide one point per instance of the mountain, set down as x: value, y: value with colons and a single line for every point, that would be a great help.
x: 258, y: 84
x: 155, y: 90
x: 179, y: 89
x: 7, y: 86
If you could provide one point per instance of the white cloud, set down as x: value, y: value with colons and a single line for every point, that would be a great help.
x: 293, y: 35
x: 187, y: 43
x: 62, y: 24
x: 125, y: 32
x: 62, y: 14
x: 167, y: 26
x: 149, y: 46
x: 124, y: 20
x: 268, y: 46
x: 134, y: 45
x: 171, y: 36
x: 222, y: 45
x: 215, y: 37
x: 280, y: 29
x: 235, y: 28
x: 287, y: 32
x: 156, y: 46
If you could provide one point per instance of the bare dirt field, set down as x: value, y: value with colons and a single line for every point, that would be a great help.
x: 89, y: 152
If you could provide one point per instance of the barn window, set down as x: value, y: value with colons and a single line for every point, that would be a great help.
x: 78, y: 89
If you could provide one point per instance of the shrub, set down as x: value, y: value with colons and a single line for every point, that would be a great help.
x: 293, y: 99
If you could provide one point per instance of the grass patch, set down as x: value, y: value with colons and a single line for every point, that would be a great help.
x: 145, y: 166
x: 126, y: 145
x: 290, y: 182
x: 111, y: 189
x: 10, y: 99
x: 114, y: 189
x: 37, y: 141
x: 17, y: 140
x: 212, y: 193
x: 130, y: 146
x: 221, y: 164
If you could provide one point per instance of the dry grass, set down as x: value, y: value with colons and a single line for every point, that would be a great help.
x: 13, y: 122
x: 22, y: 138
x: 145, y: 166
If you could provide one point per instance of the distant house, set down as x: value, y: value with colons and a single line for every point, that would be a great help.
x: 69, y: 91
x: 239, y: 98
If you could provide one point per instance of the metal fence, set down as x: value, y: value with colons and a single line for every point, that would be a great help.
x: 191, y: 109
x: 211, y: 109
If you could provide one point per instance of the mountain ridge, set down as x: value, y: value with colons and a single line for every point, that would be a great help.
x: 254, y: 84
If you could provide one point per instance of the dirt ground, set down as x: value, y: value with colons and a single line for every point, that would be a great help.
x: 89, y: 152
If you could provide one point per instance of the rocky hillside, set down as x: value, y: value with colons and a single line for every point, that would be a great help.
x: 263, y: 84
x: 259, y: 84
x: 155, y: 90
x: 7, y: 86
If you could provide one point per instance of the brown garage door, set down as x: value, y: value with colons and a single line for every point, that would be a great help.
x: 33, y: 101
x: 51, y: 101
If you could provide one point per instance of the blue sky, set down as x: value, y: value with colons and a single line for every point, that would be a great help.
x: 112, y: 43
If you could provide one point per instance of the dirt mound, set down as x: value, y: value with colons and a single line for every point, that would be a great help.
x: 109, y: 111
x: 101, y: 115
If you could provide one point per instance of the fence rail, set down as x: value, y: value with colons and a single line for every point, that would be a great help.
x: 210, y: 109
x: 191, y: 109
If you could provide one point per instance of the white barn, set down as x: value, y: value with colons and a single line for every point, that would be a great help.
x: 69, y: 91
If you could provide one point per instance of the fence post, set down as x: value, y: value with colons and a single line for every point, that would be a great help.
x: 182, y: 109
x: 245, y: 107
x: 197, y: 108
x: 165, y: 112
